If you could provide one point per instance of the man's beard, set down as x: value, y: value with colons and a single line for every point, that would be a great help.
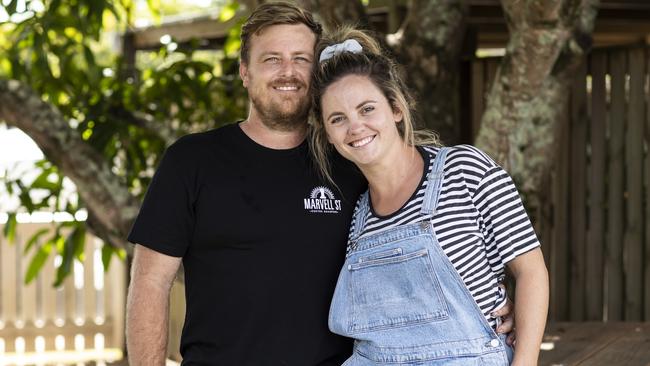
x: 276, y: 117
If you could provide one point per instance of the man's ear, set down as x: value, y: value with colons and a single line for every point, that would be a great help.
x: 243, y: 73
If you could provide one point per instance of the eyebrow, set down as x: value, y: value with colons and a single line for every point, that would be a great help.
x: 357, y: 107
x: 276, y: 53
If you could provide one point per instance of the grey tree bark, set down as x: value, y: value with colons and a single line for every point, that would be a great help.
x: 111, y: 207
x: 334, y: 13
x: 428, y: 45
x: 548, y: 41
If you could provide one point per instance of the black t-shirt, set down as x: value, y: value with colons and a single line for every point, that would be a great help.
x: 262, y: 240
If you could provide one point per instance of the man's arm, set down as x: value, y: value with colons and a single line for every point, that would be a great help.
x: 147, y: 306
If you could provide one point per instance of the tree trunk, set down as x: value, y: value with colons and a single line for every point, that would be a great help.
x: 428, y: 46
x: 111, y: 207
x: 548, y: 41
x: 333, y: 13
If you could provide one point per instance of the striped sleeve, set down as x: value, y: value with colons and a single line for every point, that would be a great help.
x: 506, y: 227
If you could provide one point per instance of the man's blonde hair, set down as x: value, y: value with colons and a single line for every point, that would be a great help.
x: 275, y: 13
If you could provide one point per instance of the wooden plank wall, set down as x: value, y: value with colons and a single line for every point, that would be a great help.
x: 595, y: 228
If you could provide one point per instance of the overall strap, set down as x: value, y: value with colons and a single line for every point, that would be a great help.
x: 434, y: 183
x: 360, y: 215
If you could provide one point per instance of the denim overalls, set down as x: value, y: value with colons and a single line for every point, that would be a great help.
x: 403, y: 302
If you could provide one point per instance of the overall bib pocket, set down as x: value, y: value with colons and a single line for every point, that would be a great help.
x: 394, y: 288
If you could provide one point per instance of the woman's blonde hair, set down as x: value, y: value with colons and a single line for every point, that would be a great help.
x: 381, y: 70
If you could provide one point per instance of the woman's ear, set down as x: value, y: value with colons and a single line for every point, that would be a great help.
x: 398, y: 116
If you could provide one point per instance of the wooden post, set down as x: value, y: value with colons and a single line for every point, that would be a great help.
x: 646, y: 264
x: 559, y: 264
x: 615, y: 196
x: 478, y: 95
x: 595, y: 242
x: 633, y: 252
x: 578, y: 195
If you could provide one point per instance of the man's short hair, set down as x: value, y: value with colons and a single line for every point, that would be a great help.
x: 275, y: 13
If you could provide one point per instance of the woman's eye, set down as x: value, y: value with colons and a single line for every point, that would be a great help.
x: 336, y: 119
x: 367, y: 109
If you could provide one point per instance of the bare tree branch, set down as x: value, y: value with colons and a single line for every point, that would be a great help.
x: 110, y: 205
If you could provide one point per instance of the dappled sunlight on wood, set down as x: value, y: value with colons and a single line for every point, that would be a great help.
x: 596, y: 343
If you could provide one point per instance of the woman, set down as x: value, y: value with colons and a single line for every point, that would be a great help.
x: 430, y: 238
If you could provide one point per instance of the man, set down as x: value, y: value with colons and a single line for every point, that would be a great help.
x: 260, y: 234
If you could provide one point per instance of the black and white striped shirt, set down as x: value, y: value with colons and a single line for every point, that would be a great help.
x: 480, y: 221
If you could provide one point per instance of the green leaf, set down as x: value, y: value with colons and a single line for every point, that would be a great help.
x: 154, y: 7
x: 67, y: 252
x: 232, y: 45
x: 37, y: 263
x: 90, y: 59
x: 9, y: 186
x: 107, y: 254
x: 10, y: 227
x: 42, y: 182
x: 79, y: 241
x: 34, y: 239
x: 26, y: 200
x: 121, y: 253
x: 11, y: 7
x: 228, y: 11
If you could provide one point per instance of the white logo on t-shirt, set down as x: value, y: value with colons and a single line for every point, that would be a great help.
x: 322, y: 200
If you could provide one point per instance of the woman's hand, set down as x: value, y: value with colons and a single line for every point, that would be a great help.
x: 507, y: 314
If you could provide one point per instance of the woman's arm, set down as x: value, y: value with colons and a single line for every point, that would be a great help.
x: 531, y: 300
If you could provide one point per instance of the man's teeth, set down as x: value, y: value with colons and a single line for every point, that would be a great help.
x: 363, y: 141
x: 286, y: 88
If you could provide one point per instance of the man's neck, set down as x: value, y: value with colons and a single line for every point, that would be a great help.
x: 257, y: 131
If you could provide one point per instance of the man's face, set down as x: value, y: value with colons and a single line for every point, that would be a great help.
x: 278, y: 73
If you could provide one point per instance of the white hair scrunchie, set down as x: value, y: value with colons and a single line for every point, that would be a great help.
x: 350, y: 45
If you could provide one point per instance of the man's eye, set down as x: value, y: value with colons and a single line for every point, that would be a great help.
x: 272, y: 59
x: 302, y: 59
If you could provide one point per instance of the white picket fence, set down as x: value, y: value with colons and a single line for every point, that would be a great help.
x: 80, y: 322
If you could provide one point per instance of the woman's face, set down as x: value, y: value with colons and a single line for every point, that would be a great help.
x: 359, y: 120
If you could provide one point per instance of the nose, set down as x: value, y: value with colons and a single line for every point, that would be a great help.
x: 355, y: 126
x: 287, y: 68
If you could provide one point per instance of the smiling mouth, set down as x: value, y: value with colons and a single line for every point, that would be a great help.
x: 362, y: 142
x: 287, y: 88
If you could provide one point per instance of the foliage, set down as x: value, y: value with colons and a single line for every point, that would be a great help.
x: 60, y: 49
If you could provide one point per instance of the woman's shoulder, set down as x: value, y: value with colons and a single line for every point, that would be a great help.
x: 462, y: 155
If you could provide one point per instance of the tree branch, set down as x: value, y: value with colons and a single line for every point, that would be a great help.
x: 111, y: 207
x: 145, y: 121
